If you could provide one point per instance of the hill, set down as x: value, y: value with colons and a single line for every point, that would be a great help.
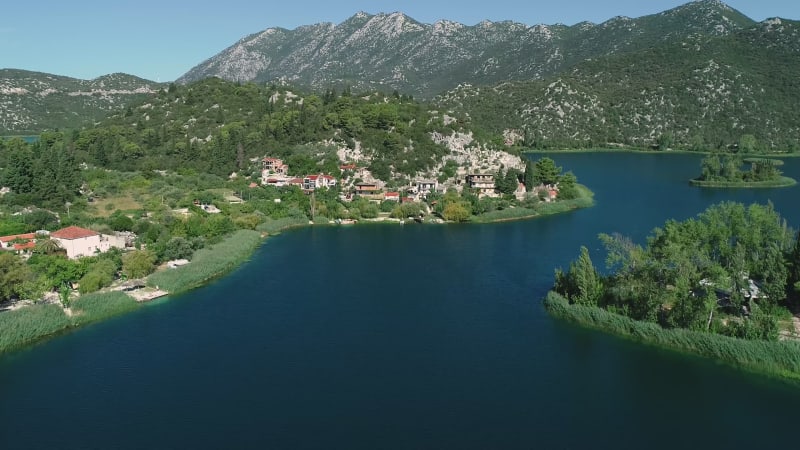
x: 699, y: 93
x: 34, y: 101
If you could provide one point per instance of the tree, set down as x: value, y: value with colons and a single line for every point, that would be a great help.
x: 456, y: 212
x: 178, y: 248
x: 665, y: 140
x: 748, y: 143
x: 138, y: 263
x: 14, y: 273
x: 794, y: 269
x: 581, y: 284
x: 546, y: 171
x: 529, y: 177
x: 568, y: 186
x: 48, y: 247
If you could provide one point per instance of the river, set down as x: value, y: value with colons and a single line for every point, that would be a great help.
x: 404, y: 337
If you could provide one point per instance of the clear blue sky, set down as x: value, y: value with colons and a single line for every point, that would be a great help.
x: 161, y: 40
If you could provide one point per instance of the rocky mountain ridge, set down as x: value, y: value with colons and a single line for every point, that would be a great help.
x: 395, y: 52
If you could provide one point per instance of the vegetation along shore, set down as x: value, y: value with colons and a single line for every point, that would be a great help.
x: 721, y: 285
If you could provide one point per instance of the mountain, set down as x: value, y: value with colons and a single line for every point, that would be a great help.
x: 699, y: 93
x: 395, y: 52
x: 33, y: 101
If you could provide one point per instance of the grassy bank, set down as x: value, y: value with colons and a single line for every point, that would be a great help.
x: 585, y: 199
x: 208, y: 263
x: 29, y: 324
x: 780, y: 182
x: 101, y: 305
x: 780, y: 359
x: 272, y: 226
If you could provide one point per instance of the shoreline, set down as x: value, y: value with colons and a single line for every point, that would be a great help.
x: 778, y: 183
x: 779, y: 360
x: 656, y: 152
x: 38, y: 322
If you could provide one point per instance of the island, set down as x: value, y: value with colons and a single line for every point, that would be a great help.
x: 720, y: 285
x: 725, y: 172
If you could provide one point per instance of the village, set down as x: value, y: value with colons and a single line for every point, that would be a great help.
x: 358, y: 181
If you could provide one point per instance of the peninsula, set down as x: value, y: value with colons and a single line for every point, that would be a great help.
x: 689, y: 290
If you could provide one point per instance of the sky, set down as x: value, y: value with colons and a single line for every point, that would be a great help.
x: 161, y: 40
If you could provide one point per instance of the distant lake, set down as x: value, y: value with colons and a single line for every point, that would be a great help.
x: 28, y: 139
x: 404, y: 337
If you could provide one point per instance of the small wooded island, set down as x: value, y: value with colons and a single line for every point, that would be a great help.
x: 720, y: 285
x: 725, y: 172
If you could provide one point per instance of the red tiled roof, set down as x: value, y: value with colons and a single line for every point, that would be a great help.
x: 296, y: 181
x: 252, y: 185
x: 392, y: 194
x: 24, y: 246
x: 271, y: 159
x: 73, y: 232
x: 312, y: 177
x: 348, y: 167
x: 17, y: 236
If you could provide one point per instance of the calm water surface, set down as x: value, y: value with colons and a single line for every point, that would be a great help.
x: 384, y: 337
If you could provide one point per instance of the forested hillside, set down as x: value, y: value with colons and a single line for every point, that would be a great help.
x: 700, y: 93
x: 34, y: 101
x: 215, y: 126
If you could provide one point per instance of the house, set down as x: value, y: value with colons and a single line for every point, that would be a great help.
x: 366, y: 189
x: 274, y: 165
x: 482, y: 183
x: 276, y: 181
x: 311, y: 182
x: 20, y: 243
x: 78, y: 242
x: 295, y: 182
x: 8, y: 242
x: 425, y: 187
x: 391, y: 196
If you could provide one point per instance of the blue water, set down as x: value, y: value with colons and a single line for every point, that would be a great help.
x: 403, y: 337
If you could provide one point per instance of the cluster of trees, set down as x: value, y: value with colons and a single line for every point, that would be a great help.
x: 545, y: 172
x: 727, y: 168
x: 43, y: 173
x: 732, y: 270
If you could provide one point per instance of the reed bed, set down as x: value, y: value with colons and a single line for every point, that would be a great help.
x: 101, y: 305
x: 29, y: 324
x: 208, y: 263
x: 775, y: 358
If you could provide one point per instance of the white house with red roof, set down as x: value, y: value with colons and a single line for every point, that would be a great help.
x: 79, y: 242
x: 392, y: 196
x: 19, y: 243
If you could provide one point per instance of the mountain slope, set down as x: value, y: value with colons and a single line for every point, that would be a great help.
x: 33, y: 101
x: 393, y: 51
x: 700, y: 93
